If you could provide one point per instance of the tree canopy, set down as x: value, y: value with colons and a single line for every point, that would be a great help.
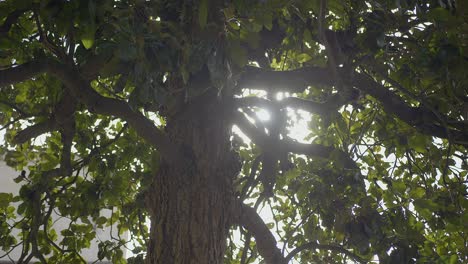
x: 97, y: 96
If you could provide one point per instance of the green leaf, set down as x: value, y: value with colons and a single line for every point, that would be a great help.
x: 92, y: 9
x: 426, y: 204
x: 303, y: 57
x: 439, y: 14
x: 203, y: 13
x: 101, y: 220
x: 418, y: 143
x: 22, y: 208
x: 19, y: 179
x: 5, y: 199
x: 265, y: 18
x: 22, y: 4
x: 238, y: 54
x: 14, y: 158
x: 292, y: 174
x: 453, y: 259
x: 89, y: 26
x: 417, y: 193
x: 88, y: 39
x: 67, y: 233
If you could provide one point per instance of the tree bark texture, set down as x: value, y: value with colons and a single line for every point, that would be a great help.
x: 190, y: 200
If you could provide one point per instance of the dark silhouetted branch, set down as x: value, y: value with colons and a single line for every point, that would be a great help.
x: 62, y: 119
x: 99, y: 104
x: 298, y: 80
x: 313, y: 245
x: 10, y: 20
x: 266, y: 242
x: 294, y: 81
x: 322, y: 108
x: 34, y: 131
x: 65, y: 119
x: 289, y: 145
x: 96, y: 103
x: 22, y: 72
x: 421, y: 119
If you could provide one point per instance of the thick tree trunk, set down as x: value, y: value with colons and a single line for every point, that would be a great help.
x: 190, y: 202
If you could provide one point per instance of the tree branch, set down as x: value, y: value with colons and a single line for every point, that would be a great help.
x: 83, y: 92
x: 251, y: 178
x: 246, y: 249
x: 90, y: 69
x: 289, y: 145
x: 65, y: 119
x: 34, y: 131
x: 10, y: 20
x: 22, y: 113
x: 99, y: 104
x: 297, y: 81
x: 266, y: 242
x: 257, y: 136
x: 97, y: 150
x: 314, y: 245
x: 321, y: 108
x: 294, y: 81
x: 22, y: 72
x: 62, y: 118
x: 309, y: 106
x: 417, y: 117
x: 318, y: 150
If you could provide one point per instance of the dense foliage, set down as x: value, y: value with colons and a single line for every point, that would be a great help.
x: 379, y: 87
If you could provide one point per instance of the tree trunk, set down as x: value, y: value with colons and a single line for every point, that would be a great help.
x: 190, y: 202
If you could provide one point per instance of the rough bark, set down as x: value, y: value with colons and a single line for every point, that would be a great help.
x: 190, y: 203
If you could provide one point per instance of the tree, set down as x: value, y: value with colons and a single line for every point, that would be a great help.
x: 130, y: 105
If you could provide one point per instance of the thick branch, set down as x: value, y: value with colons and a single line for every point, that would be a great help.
x: 257, y: 136
x: 65, y: 157
x: 62, y: 117
x: 246, y: 249
x: 423, y: 120
x: 95, y: 102
x: 90, y: 69
x: 65, y: 119
x: 295, y: 81
x: 11, y: 105
x: 266, y: 242
x: 429, y: 110
x: 99, y: 104
x: 10, y: 20
x: 251, y: 178
x: 34, y: 131
x: 289, y: 145
x: 314, y: 245
x: 307, y: 105
x: 22, y: 72
x: 322, y: 108
x: 318, y: 150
